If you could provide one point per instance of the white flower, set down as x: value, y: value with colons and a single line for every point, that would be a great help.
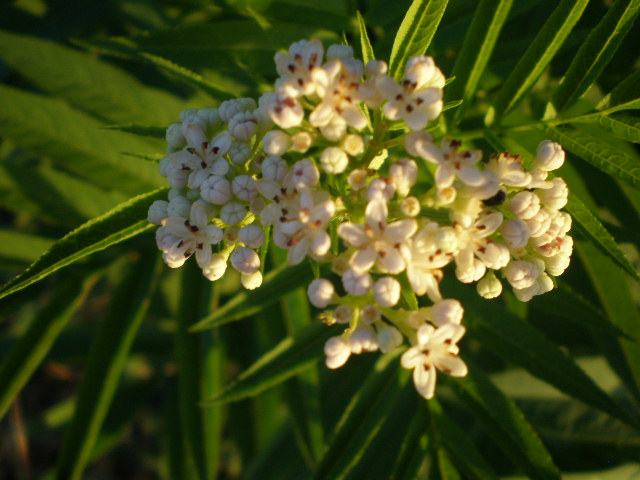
x: 356, y: 284
x: 369, y: 91
x: 296, y: 66
x: 389, y: 338
x: 174, y: 136
x: 243, y: 126
x: 304, y: 172
x: 230, y: 108
x: 515, y: 232
x: 233, y: 213
x: 521, y: 274
x: 410, y: 206
x: 386, y: 291
x: 549, y: 156
x: 403, y: 174
x: 321, y: 292
x: 418, y: 99
x: 555, y: 197
x: 334, y: 160
x: 276, y: 142
x: 542, y: 285
x: 424, y: 260
x: 244, y: 188
x: 447, y: 311
x: 252, y: 236
x: 337, y: 351
x: 179, y: 206
x: 216, y: 267
x: 357, y: 179
x: 377, y: 242
x: 216, y: 190
x: 434, y: 349
x: 489, y: 287
x: 211, y: 118
x: 274, y: 168
x: 380, y: 189
x: 284, y: 111
x: 179, y: 238
x: 245, y: 260
x: 158, y: 211
x: 525, y: 205
x: 508, y: 170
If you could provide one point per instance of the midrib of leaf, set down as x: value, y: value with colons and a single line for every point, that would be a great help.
x: 479, y: 42
x: 415, y: 33
x: 536, y: 58
x: 622, y: 126
x: 587, y: 65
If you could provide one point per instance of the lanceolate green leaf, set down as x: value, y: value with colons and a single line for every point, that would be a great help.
x: 244, y: 304
x: 367, y: 49
x: 622, y: 126
x: 505, y: 422
x: 595, y: 53
x: 415, y: 33
x: 613, y: 290
x: 141, y: 130
x: 19, y: 248
x: 625, y: 95
x: 289, y: 357
x: 106, y: 360
x: 598, y: 153
x: 536, y: 58
x: 75, y: 141
x: 595, y: 231
x: 86, y: 81
x: 362, y: 418
x: 124, y: 221
x: 488, y: 19
x: 27, y: 354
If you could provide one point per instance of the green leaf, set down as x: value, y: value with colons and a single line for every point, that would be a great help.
x: 535, y: 60
x: 598, y: 153
x: 595, y: 231
x: 75, y: 141
x: 86, y: 81
x: 362, y: 418
x: 458, y: 445
x: 624, y: 95
x: 481, y: 37
x: 141, y: 130
x: 622, y: 126
x: 519, y: 342
x: 20, y: 248
x: 276, y: 283
x: 414, y: 445
x: 123, y: 222
x: 106, y: 360
x: 504, y: 421
x: 415, y: 33
x: 613, y: 290
x: 595, y: 53
x: 29, y: 351
x: 367, y: 49
x: 290, y: 356
x: 446, y: 469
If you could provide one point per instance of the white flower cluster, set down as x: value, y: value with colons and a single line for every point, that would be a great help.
x: 311, y: 165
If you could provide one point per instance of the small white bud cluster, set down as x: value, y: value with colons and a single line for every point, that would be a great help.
x: 303, y: 164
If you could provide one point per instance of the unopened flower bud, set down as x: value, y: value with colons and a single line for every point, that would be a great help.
x: 489, y: 287
x: 301, y: 142
x: 215, y: 268
x: 549, y: 156
x: 276, y: 142
x: 539, y: 223
x: 386, y: 291
x: 252, y: 236
x: 340, y: 265
x: 357, y: 179
x: 334, y: 160
x: 244, y: 188
x: 305, y: 172
x: 239, y: 153
x: 403, y: 174
x: 245, y: 260
x: 542, y: 285
x: 515, y: 232
x: 389, y: 338
x: 353, y: 144
x: 337, y: 351
x: 525, y: 205
x: 356, y: 284
x: 334, y: 130
x: 216, y: 190
x: 447, y: 311
x: 339, y: 51
x: 233, y: 213
x: 158, y: 212
x: 380, y: 188
x: 231, y: 235
x: 321, y: 292
x: 343, y: 314
x: 230, y: 108
x: 521, y: 274
x: 370, y: 314
x: 252, y: 281
x: 363, y: 339
x: 243, y: 126
x: 211, y: 118
x: 179, y: 206
x: 174, y: 136
x: 555, y: 197
x: 410, y: 206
